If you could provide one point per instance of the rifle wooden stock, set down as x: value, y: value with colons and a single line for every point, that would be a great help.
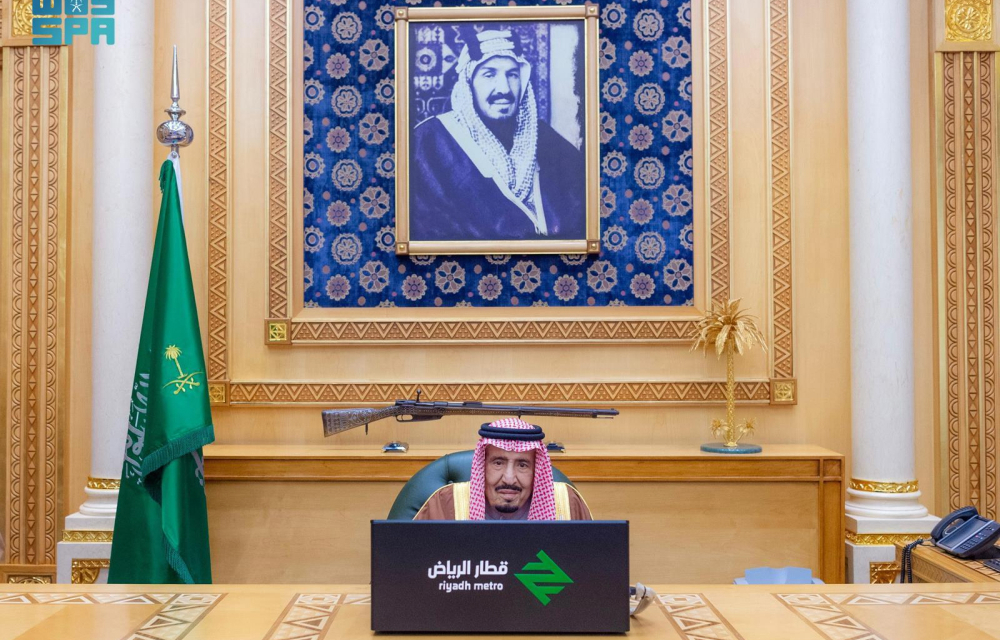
x: 337, y: 420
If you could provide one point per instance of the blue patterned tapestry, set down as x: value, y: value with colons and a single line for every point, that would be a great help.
x: 646, y: 173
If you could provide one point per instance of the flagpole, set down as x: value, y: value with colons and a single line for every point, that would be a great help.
x: 175, y: 133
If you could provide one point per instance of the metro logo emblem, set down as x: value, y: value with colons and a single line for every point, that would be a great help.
x: 548, y: 579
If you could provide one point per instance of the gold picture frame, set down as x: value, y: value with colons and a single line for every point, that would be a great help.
x: 588, y: 15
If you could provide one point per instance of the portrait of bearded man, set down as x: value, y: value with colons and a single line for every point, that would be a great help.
x: 490, y: 168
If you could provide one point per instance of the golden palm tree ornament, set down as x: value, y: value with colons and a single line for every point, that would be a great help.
x: 732, y: 330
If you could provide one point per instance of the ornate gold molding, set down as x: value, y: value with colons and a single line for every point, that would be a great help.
x: 968, y: 20
x: 27, y: 574
x: 218, y: 392
x: 883, y: 487
x: 882, y: 539
x: 105, y: 484
x: 882, y: 572
x: 966, y: 288
x: 784, y: 392
x: 86, y: 571
x: 219, y: 179
x: 707, y: 392
x: 277, y: 331
x: 71, y: 535
x: 780, y: 195
x: 32, y: 248
x: 29, y: 579
x: 21, y: 16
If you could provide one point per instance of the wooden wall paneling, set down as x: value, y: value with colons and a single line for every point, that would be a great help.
x: 723, y: 504
x: 967, y: 249
x: 780, y: 192
x: 33, y: 205
x: 312, y: 326
x: 219, y: 180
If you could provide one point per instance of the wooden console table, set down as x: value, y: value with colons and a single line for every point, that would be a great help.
x: 301, y: 514
x: 931, y: 564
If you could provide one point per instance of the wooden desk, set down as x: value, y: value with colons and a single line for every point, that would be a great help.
x: 299, y: 514
x: 313, y: 612
x: 930, y: 564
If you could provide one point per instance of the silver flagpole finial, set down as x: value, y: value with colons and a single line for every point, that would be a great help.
x: 174, y: 132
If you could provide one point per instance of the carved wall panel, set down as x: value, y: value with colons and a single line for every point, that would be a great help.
x: 966, y: 287
x: 303, y: 327
x: 33, y: 206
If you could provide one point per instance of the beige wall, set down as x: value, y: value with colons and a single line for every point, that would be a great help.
x: 820, y: 245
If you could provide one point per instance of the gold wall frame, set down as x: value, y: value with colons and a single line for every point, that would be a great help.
x: 588, y: 15
x: 318, y: 327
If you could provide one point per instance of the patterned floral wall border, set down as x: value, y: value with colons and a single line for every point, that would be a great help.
x: 346, y: 332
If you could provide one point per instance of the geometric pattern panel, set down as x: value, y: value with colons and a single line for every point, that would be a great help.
x: 177, y: 617
x: 779, y: 104
x: 84, y: 598
x: 647, y: 185
x: 826, y: 614
x: 968, y: 339
x: 489, y: 329
x: 694, y: 618
x: 757, y: 392
x: 178, y: 614
x: 33, y: 225
x: 308, y: 617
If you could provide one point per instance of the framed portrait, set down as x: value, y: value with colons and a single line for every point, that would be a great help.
x: 497, y: 145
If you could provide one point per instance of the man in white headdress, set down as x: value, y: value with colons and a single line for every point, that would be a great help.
x: 510, y: 479
x: 490, y: 169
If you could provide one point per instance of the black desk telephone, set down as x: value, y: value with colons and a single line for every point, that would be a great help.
x: 965, y: 534
x: 962, y: 533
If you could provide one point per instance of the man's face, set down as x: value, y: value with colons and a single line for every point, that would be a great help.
x: 496, y: 88
x: 509, y: 477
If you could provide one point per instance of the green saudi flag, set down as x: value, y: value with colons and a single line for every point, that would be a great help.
x: 161, y: 527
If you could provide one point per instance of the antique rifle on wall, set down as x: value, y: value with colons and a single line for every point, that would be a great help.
x: 337, y: 420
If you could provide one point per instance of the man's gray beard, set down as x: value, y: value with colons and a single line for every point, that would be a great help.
x: 506, y: 508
